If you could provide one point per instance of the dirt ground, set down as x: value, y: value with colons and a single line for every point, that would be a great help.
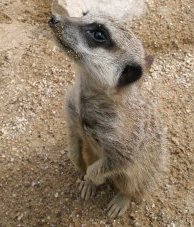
x: 38, y: 184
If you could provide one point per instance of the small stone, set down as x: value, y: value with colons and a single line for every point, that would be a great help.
x: 175, y: 140
x: 131, y: 220
x: 188, y: 110
x: 137, y: 224
x: 56, y: 195
x: 20, y: 217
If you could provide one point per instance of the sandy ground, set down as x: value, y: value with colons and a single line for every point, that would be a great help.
x: 38, y: 184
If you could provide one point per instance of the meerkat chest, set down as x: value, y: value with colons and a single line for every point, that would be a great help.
x: 97, y: 114
x: 93, y: 113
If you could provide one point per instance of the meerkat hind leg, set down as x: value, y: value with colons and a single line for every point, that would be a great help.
x: 87, y: 188
x: 75, y: 152
x: 118, y: 205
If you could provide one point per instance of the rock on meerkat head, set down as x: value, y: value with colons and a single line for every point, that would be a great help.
x: 109, y: 53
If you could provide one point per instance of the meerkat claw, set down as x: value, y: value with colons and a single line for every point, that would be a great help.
x: 87, y: 189
x: 118, y: 205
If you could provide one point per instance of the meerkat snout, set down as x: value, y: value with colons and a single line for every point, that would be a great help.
x: 53, y: 21
x: 114, y: 136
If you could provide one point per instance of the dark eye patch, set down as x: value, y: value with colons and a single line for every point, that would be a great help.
x: 97, y: 35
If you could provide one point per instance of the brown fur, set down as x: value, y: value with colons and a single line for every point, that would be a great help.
x: 88, y: 156
x: 120, y: 134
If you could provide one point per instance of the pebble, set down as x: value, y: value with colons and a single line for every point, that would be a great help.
x: 56, y: 195
x: 175, y: 140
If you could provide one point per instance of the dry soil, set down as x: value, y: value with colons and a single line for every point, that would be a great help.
x: 38, y: 184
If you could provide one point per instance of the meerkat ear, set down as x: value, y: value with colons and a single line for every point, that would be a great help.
x: 130, y: 74
x: 149, y: 59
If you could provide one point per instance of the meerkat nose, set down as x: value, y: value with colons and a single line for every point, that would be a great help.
x: 53, y: 21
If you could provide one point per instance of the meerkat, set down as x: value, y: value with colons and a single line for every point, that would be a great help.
x: 114, y: 133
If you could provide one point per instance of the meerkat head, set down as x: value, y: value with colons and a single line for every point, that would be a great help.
x: 109, y: 53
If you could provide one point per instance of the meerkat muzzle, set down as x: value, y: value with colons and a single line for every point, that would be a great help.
x: 53, y: 21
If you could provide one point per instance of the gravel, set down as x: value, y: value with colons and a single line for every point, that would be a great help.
x: 37, y: 181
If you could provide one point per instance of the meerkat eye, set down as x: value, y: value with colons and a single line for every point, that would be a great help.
x: 98, y: 36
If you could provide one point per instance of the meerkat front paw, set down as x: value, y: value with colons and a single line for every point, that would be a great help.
x: 118, y: 205
x: 95, y: 178
x: 87, y: 189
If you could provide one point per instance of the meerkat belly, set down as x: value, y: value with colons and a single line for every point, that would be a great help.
x: 88, y: 150
x: 91, y: 150
x: 91, y: 131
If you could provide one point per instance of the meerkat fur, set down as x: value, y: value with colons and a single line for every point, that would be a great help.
x: 114, y: 132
